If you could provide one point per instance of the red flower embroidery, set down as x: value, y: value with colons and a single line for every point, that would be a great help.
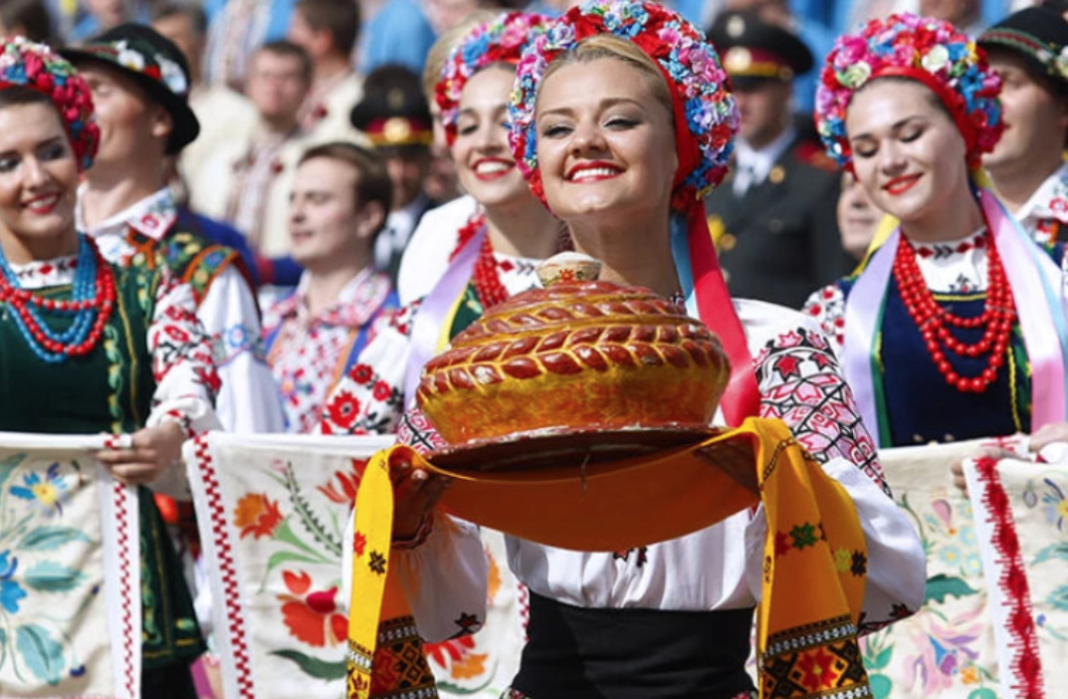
x: 312, y: 616
x: 349, y: 483
x: 359, y: 543
x: 362, y: 373
x: 257, y: 515
x: 382, y: 391
x: 343, y: 409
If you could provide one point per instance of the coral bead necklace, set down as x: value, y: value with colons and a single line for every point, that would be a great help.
x: 935, y: 322
x: 92, y: 300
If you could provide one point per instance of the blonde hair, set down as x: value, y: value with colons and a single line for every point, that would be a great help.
x: 602, y: 46
x: 439, y: 52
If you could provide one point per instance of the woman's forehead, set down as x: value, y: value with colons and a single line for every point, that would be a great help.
x: 583, y: 83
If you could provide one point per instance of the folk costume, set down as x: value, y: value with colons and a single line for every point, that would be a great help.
x: 692, y: 598
x: 372, y: 398
x: 155, y: 232
x: 943, y: 341
x: 1039, y: 35
x: 309, y: 354
x: 90, y: 347
x: 674, y: 618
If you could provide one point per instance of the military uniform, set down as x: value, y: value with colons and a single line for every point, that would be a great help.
x: 395, y: 118
x: 776, y: 231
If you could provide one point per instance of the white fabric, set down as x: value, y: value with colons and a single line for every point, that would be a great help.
x: 720, y: 567
x: 70, y: 574
x: 398, y: 231
x: 427, y: 256
x: 248, y: 400
x: 328, y: 119
x: 753, y: 165
x: 272, y: 511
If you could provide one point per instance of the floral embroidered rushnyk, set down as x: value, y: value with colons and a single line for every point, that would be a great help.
x: 946, y: 650
x: 272, y: 513
x: 70, y: 612
x: 1021, y: 518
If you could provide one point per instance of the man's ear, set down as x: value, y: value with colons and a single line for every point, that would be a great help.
x: 162, y: 123
x: 371, y: 218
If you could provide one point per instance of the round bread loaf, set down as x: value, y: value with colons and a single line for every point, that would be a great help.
x: 575, y: 355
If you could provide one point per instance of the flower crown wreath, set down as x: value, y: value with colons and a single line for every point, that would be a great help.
x: 919, y: 48
x: 500, y: 40
x: 705, y: 115
x: 28, y: 64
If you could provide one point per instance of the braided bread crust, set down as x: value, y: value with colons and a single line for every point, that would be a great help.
x: 585, y: 354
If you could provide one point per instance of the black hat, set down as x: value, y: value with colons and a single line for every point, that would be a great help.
x: 393, y: 112
x: 156, y: 64
x: 1039, y: 35
x: 752, y: 49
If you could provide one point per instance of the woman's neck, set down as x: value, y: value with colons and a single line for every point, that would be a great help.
x: 958, y: 217
x: 523, y: 229
x: 642, y: 260
x: 24, y: 250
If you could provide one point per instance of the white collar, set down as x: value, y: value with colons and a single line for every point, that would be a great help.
x: 760, y: 161
x: 152, y: 216
x: 1050, y: 200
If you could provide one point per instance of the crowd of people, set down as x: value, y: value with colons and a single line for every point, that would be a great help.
x: 266, y: 216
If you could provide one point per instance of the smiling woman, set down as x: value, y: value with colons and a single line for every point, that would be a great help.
x: 936, y: 345
x: 622, y: 121
x: 60, y: 300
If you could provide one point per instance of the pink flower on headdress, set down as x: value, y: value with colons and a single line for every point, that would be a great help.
x: 669, y: 35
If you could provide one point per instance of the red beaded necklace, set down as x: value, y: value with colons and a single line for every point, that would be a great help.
x: 998, y: 315
x: 102, y: 302
x: 491, y: 291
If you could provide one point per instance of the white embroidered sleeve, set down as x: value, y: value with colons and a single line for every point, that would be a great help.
x: 249, y: 400
x: 827, y: 308
x: 186, y: 380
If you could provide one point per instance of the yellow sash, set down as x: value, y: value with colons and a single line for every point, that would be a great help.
x: 815, y: 563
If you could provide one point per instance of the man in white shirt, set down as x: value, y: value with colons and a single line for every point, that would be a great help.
x: 1027, y: 170
x: 774, y: 218
x: 140, y: 87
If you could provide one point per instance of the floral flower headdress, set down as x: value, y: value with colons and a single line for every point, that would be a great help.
x: 928, y: 50
x: 35, y: 66
x: 705, y: 115
x: 500, y: 40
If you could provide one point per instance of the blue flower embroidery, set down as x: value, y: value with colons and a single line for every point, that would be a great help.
x: 10, y: 591
x: 48, y: 494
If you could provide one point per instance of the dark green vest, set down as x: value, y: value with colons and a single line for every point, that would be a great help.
x: 108, y: 390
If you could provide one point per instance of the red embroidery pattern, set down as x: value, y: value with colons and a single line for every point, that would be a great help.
x: 800, y: 383
x: 130, y: 638
x: 235, y: 615
x: 1026, y: 662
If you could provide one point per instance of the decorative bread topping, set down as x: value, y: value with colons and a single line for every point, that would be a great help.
x: 574, y: 356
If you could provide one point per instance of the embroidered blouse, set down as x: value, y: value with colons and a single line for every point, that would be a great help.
x: 147, y: 234
x: 309, y: 354
x: 1045, y: 214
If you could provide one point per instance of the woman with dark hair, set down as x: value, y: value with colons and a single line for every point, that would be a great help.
x: 956, y: 329
x: 87, y: 347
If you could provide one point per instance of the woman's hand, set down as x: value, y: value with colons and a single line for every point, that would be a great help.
x: 415, y: 492
x: 1048, y: 434
x: 152, y: 451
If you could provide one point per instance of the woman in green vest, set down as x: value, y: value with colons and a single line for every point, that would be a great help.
x: 86, y: 347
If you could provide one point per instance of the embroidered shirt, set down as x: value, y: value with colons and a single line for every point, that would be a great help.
x: 308, y: 353
x: 1046, y: 212
x: 248, y: 400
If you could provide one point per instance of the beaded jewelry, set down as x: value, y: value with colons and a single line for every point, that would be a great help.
x: 92, y: 300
